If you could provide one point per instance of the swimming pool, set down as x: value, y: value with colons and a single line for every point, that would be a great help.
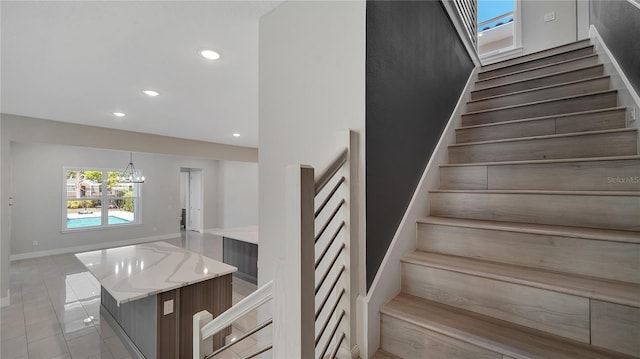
x: 93, y: 221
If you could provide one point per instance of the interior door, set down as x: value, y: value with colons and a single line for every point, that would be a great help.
x: 195, y: 201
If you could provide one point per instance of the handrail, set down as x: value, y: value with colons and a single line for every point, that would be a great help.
x: 510, y: 13
x: 249, y: 303
x: 323, y: 178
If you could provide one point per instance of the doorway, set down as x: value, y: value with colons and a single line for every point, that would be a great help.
x: 191, y: 199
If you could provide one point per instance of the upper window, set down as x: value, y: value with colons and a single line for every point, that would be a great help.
x: 496, y: 26
x: 98, y: 199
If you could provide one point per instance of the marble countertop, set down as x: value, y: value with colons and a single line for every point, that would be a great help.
x: 134, y: 272
x: 246, y: 234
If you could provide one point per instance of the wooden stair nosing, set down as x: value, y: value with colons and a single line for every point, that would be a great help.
x: 551, y: 59
x: 493, y: 334
x: 549, y: 87
x: 537, y: 78
x: 600, y: 289
x: 586, y: 42
x: 540, y: 102
x: 611, y: 235
x: 537, y: 68
x: 558, y: 160
x: 562, y: 115
x: 543, y: 192
x: 570, y: 134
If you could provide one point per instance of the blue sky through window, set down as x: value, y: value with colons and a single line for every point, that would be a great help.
x: 488, y: 9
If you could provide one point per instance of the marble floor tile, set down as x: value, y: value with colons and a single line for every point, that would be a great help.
x: 43, y: 329
x: 14, y: 348
x: 47, y: 348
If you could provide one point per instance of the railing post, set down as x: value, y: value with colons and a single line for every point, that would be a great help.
x: 294, y: 321
x: 201, y: 348
x: 349, y: 139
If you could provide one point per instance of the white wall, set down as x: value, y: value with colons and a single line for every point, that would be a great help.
x: 38, y: 184
x: 312, y: 85
x: 237, y: 194
x: 539, y: 35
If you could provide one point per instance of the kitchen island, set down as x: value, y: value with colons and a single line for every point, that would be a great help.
x: 150, y: 291
x: 240, y: 249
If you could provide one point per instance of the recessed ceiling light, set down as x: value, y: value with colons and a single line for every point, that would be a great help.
x: 236, y: 134
x: 151, y: 93
x: 210, y: 54
x: 119, y: 114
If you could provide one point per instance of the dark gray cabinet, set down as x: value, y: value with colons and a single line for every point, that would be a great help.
x: 244, y: 256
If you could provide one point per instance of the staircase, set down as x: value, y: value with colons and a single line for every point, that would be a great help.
x: 532, y: 246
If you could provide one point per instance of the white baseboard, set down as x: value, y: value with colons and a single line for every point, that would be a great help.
x: 92, y: 247
x: 386, y: 284
x: 6, y: 301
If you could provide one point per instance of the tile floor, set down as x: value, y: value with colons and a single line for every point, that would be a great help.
x: 55, y: 309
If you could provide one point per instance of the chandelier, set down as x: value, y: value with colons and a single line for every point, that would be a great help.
x: 130, y: 174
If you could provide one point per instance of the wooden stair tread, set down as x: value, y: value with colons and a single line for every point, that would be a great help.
x: 537, y: 89
x: 536, y: 68
x: 493, y: 334
x: 534, y: 78
x: 381, y: 354
x: 574, y: 134
x: 550, y: 161
x: 534, y: 56
x: 537, y: 191
x: 601, y: 289
x: 544, y: 117
x: 540, y: 102
x: 533, y: 228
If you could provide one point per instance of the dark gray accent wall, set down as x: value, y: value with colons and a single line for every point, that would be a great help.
x: 618, y: 22
x: 417, y: 67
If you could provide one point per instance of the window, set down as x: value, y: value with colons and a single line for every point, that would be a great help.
x: 498, y: 27
x: 98, y: 199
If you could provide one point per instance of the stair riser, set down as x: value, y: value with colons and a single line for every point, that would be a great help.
x: 600, y: 259
x: 584, y: 73
x: 622, y: 175
x: 536, y: 63
x: 407, y: 340
x: 603, y: 120
x: 549, y: 52
x: 572, y: 89
x: 549, y: 108
x: 529, y: 74
x: 615, y: 327
x: 592, y: 145
x: 553, y: 312
x: 608, y: 212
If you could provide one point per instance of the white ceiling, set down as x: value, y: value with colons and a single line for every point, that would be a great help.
x: 79, y: 61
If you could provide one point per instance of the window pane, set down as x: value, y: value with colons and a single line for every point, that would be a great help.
x: 84, y: 184
x: 122, y: 211
x: 83, y: 213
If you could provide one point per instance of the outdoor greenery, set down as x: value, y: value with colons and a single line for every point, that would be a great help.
x: 81, y: 204
x: 125, y: 204
x: 112, y: 183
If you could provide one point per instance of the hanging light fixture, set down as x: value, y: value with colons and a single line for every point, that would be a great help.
x: 130, y: 174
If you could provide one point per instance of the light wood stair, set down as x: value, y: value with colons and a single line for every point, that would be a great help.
x: 534, y: 72
x: 532, y: 245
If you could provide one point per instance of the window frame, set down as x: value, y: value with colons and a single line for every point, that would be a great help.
x: 105, y: 199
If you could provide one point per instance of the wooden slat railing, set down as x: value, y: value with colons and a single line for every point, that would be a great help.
x: 315, y: 283
x: 321, y: 261
x: 468, y: 11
